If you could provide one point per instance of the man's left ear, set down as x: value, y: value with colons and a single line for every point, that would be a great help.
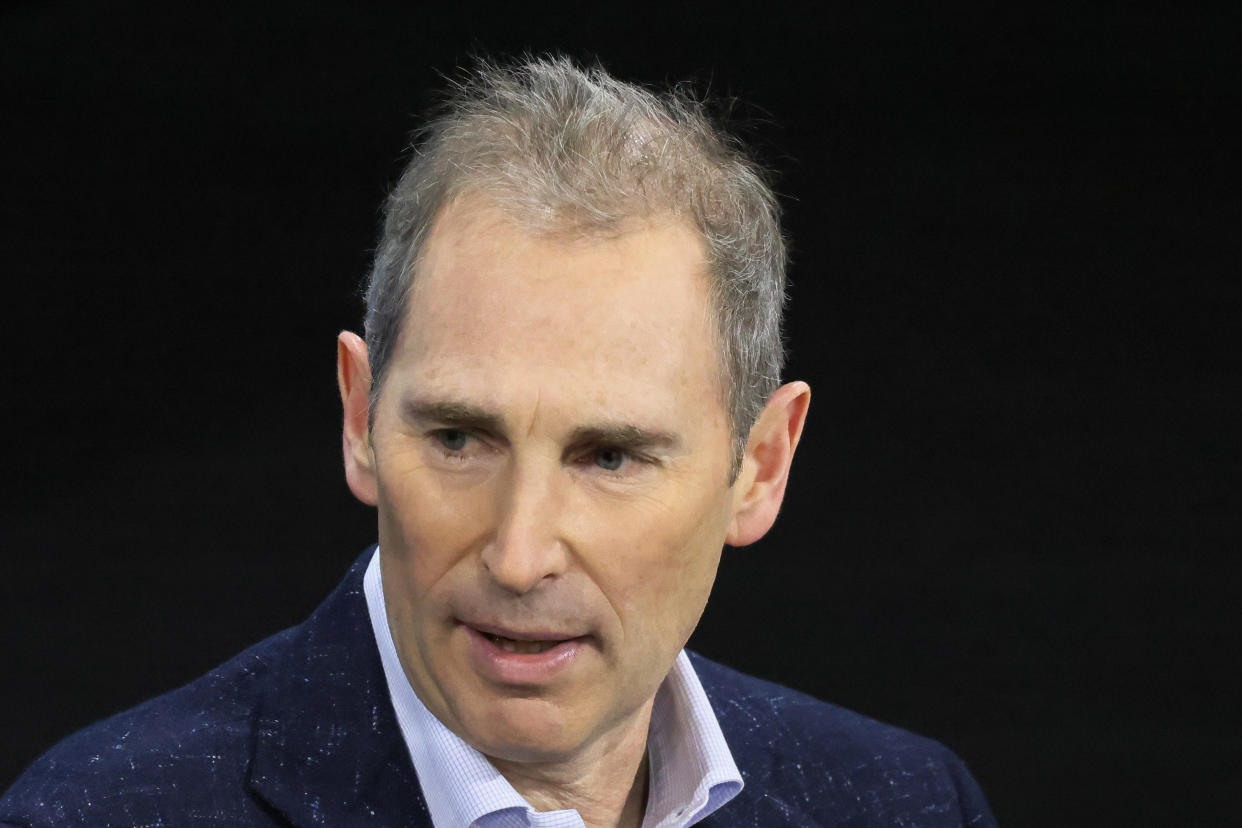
x: 760, y: 486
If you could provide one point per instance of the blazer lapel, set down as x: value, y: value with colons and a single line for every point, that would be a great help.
x: 328, y: 749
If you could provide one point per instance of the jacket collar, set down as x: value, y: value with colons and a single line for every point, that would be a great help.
x: 327, y: 746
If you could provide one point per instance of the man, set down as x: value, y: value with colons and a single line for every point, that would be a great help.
x: 567, y: 403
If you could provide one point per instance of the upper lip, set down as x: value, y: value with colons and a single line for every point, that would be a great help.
x: 520, y: 635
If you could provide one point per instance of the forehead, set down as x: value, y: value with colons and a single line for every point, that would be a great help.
x: 496, y: 305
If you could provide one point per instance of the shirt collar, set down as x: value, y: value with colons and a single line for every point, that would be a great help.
x: 692, y: 772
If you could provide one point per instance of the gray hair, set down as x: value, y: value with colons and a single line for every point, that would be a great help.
x: 566, y: 149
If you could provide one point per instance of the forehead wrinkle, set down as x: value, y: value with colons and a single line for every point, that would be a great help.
x: 534, y: 414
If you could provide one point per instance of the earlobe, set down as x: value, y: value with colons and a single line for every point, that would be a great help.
x: 765, y: 466
x: 353, y: 377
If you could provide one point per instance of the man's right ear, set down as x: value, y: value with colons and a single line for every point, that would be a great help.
x: 353, y: 376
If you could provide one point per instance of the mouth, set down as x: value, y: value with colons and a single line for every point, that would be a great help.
x: 525, y: 657
x: 520, y: 646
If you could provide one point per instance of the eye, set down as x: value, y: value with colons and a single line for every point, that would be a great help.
x: 452, y: 439
x: 610, y: 459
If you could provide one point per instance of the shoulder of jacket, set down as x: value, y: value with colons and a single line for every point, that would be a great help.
x: 189, y: 739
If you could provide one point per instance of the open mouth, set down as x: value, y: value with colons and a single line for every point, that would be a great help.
x: 520, y: 646
x: 543, y: 659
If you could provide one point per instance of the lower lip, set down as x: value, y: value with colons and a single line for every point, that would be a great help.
x: 505, y: 667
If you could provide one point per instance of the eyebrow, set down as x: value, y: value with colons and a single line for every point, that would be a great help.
x: 451, y: 413
x: 463, y: 415
x: 625, y: 436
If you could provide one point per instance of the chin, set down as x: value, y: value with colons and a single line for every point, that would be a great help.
x: 525, y: 730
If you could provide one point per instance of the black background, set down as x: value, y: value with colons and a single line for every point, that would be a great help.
x: 1013, y: 523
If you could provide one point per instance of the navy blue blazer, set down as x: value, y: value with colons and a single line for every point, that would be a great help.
x: 299, y: 730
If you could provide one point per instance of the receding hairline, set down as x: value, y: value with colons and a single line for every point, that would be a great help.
x: 562, y: 223
x: 579, y: 150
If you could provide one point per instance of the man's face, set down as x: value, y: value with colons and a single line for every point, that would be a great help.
x: 552, y: 461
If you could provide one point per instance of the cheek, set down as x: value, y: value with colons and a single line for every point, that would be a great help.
x: 424, y: 528
x: 659, y: 567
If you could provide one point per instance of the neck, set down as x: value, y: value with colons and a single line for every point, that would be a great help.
x: 606, y: 785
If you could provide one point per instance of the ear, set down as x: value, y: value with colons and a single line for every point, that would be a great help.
x: 760, y: 487
x: 353, y: 376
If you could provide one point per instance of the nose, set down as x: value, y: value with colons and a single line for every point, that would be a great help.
x: 527, y: 547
